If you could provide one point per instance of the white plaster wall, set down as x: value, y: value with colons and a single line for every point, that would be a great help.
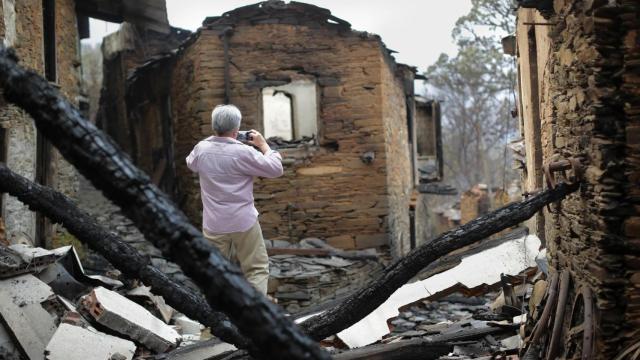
x: 305, y: 106
x: 21, y: 158
x: 277, y: 114
x: 9, y: 17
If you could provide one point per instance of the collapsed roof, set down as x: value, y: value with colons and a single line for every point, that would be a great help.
x: 294, y: 13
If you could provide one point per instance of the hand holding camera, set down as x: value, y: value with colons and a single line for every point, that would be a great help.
x: 254, y: 138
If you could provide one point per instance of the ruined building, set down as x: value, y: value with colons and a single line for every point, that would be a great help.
x: 579, y: 76
x: 46, y: 36
x: 338, y: 107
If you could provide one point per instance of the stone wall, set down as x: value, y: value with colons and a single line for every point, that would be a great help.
x: 21, y: 135
x: 400, y: 180
x: 64, y: 175
x: 588, y: 106
x: 327, y: 190
x: 26, y: 18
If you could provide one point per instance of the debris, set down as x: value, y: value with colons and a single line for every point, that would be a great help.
x: 143, y: 293
x: 300, y: 282
x: 3, y: 234
x: 62, y: 282
x: 94, y: 345
x: 475, y: 270
x: 21, y: 259
x: 543, y: 263
x: 123, y: 316
x: 24, y: 304
x: 34, y: 256
x: 190, y: 330
x: 418, y: 349
x: 391, y: 290
x: 61, y: 209
x: 8, y: 350
x: 199, y: 351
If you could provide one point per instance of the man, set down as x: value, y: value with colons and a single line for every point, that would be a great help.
x: 226, y: 168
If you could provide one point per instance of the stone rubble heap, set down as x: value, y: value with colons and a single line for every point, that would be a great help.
x: 313, y: 272
x: 109, y: 216
x: 51, y: 309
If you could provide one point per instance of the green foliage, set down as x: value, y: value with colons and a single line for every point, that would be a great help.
x: 92, y: 76
x: 63, y: 238
x: 476, y: 87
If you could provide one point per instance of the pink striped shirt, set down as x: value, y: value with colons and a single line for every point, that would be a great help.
x: 226, y: 168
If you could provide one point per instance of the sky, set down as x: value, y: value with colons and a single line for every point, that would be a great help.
x: 419, y: 30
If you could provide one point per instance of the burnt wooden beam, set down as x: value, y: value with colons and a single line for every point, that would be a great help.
x: 431, y: 347
x: 60, y: 209
x: 414, y: 349
x: 424, y: 348
x: 101, y: 161
x: 372, y: 295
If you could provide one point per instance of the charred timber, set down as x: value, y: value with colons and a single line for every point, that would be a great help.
x: 372, y: 295
x: 101, y: 161
x: 60, y: 209
x: 432, y: 347
x: 414, y: 349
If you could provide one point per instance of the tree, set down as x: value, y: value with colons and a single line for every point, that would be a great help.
x: 477, y: 87
x: 92, y: 76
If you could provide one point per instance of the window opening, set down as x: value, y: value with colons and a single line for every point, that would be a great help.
x: 278, y: 114
x: 290, y: 111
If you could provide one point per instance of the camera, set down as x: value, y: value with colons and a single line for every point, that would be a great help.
x: 244, y: 136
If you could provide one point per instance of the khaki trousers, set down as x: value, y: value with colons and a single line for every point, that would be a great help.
x: 250, y: 251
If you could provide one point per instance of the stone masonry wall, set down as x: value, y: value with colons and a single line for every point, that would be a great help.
x: 399, y: 166
x: 21, y: 149
x: 21, y: 138
x: 65, y: 177
x: 589, y: 109
x: 630, y: 21
x: 327, y: 190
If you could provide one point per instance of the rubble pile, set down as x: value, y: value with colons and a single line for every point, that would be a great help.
x: 433, y: 315
x: 326, y: 273
x: 50, y: 306
x: 109, y: 216
x: 277, y: 142
x: 472, y: 323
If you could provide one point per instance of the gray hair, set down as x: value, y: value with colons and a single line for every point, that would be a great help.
x: 225, y: 118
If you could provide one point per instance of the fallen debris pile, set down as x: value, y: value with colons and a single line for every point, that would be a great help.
x: 312, y: 272
x: 48, y: 304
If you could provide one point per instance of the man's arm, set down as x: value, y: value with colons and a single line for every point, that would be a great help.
x: 267, y: 163
x: 192, y: 160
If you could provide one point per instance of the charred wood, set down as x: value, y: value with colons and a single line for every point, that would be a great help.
x: 100, y: 160
x: 368, y: 298
x: 61, y: 209
x: 431, y: 347
x: 422, y: 348
x: 415, y: 349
